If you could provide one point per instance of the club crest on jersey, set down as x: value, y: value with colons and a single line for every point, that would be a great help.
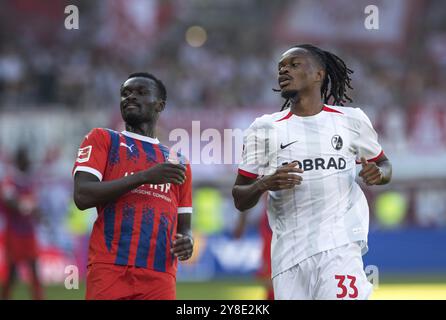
x: 83, y: 154
x: 336, y: 142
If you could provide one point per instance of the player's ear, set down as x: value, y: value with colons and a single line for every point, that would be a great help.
x: 320, y: 75
x: 161, y: 105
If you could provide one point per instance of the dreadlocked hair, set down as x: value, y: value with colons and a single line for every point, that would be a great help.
x: 337, y: 76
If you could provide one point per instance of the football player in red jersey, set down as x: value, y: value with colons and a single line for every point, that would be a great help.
x: 142, y: 192
x: 19, y: 203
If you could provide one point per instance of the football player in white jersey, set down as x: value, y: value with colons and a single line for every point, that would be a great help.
x: 305, y: 158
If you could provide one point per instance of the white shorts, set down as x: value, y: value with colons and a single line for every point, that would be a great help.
x: 335, y: 274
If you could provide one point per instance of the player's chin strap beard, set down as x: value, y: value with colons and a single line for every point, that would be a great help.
x: 132, y: 121
x: 135, y: 120
x: 291, y: 97
x: 136, y: 124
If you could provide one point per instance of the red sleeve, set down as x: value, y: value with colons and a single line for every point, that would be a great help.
x: 247, y: 174
x: 185, y: 203
x: 93, y: 153
x: 374, y: 159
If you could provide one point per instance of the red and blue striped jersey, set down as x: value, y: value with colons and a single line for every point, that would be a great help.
x: 138, y: 228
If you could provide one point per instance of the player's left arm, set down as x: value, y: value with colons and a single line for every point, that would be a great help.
x: 378, y: 169
x: 376, y: 173
x: 183, y: 245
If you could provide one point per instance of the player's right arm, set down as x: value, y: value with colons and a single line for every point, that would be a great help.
x: 247, y: 191
x: 250, y: 183
x: 90, y: 192
x: 89, y: 189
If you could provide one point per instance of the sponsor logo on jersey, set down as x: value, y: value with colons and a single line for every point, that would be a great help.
x: 282, y: 146
x: 122, y: 144
x: 322, y: 164
x: 165, y: 188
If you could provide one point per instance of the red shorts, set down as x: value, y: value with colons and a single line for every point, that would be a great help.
x: 113, y: 282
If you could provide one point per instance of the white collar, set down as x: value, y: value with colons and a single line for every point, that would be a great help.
x: 140, y: 137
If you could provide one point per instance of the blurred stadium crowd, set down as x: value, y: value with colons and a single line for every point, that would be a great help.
x: 57, y: 84
x: 399, y: 75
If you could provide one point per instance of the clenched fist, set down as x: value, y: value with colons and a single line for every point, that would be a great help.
x: 286, y: 177
x: 183, y: 247
x: 371, y: 174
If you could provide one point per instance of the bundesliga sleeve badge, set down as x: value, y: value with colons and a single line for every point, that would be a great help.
x: 83, y: 154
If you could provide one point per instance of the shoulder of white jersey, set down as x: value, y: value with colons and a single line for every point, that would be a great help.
x: 351, y: 112
x: 267, y: 120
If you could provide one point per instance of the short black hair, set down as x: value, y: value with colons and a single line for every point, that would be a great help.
x: 159, y: 83
x: 337, y: 76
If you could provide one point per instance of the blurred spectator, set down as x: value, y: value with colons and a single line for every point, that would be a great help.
x: 19, y: 203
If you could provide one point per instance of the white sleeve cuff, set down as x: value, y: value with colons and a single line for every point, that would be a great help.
x: 89, y: 170
x: 184, y: 210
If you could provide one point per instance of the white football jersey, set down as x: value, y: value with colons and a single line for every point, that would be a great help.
x: 328, y: 209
